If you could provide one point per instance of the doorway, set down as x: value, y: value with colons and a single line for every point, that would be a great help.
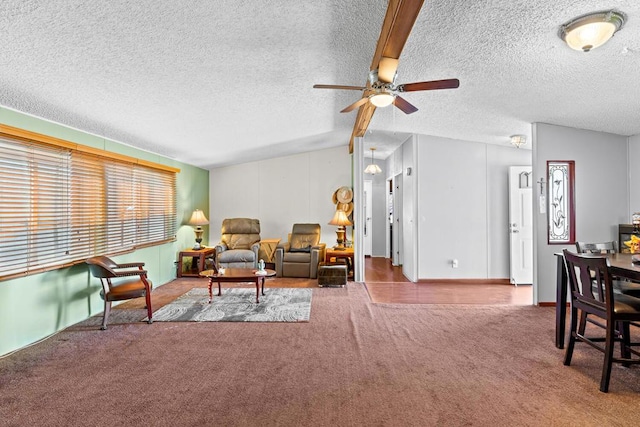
x: 389, y: 219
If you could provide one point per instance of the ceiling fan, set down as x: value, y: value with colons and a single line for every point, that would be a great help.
x: 381, y: 89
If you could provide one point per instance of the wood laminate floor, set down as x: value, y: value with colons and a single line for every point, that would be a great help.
x: 387, y: 284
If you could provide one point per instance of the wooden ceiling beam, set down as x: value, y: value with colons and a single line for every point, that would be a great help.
x: 398, y: 21
x: 397, y: 25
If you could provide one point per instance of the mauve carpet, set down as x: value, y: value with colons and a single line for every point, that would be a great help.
x: 354, y: 364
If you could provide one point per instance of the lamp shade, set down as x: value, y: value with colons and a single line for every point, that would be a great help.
x: 340, y: 219
x: 198, y: 218
x: 373, y: 169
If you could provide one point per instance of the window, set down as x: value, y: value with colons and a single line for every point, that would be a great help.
x: 61, y: 204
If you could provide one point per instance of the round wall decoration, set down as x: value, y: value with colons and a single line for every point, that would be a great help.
x: 346, y: 207
x: 344, y: 194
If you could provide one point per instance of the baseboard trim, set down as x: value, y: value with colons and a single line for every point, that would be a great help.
x: 467, y: 281
x: 550, y: 304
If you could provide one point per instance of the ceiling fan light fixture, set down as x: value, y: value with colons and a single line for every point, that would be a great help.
x: 382, y: 99
x: 592, y: 30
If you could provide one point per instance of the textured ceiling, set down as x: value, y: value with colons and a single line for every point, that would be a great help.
x: 220, y: 82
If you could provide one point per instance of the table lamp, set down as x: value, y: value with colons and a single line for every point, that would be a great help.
x: 340, y: 219
x: 198, y: 220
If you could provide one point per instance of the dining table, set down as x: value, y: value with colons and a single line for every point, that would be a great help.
x: 620, y: 265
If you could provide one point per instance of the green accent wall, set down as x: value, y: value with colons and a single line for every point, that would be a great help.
x: 36, y: 306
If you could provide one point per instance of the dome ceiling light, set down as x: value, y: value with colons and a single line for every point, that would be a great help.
x: 518, y: 140
x: 589, y: 31
x: 382, y: 98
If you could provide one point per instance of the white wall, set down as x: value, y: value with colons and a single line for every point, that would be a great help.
x: 453, y: 208
x: 280, y: 192
x: 633, y: 158
x: 409, y: 195
x: 463, y: 207
x: 601, y: 191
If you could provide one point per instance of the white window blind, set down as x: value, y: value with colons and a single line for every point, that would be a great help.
x: 59, y: 206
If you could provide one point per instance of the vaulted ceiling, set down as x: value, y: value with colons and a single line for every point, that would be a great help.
x: 212, y: 83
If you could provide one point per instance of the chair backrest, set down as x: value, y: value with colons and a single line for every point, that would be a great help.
x: 102, y: 267
x: 304, y: 236
x: 597, y: 248
x: 240, y: 233
x: 589, y: 279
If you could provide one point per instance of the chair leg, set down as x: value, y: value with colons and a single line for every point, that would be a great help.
x: 105, y: 316
x: 572, y: 336
x: 583, y: 322
x: 608, y: 357
x: 147, y: 298
x: 625, y: 342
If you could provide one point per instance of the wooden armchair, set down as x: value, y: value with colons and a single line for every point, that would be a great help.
x: 128, y: 284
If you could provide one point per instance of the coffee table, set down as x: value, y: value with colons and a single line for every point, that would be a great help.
x: 237, y: 275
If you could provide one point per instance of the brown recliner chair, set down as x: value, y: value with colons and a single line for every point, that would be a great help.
x: 239, y: 243
x: 299, y: 257
x: 134, y: 285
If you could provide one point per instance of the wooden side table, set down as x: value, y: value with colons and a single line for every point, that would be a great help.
x: 197, y: 263
x: 346, y: 254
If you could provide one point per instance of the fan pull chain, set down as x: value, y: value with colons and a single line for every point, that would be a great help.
x: 393, y: 120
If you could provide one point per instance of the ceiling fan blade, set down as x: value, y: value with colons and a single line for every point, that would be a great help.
x: 339, y: 87
x: 355, y: 105
x: 365, y: 113
x: 432, y: 85
x: 404, y: 105
x: 387, y: 69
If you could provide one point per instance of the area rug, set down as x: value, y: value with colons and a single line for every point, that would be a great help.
x: 239, y: 305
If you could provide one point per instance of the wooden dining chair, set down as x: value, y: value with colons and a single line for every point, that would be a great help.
x: 592, y: 293
x: 624, y: 286
x: 121, y: 282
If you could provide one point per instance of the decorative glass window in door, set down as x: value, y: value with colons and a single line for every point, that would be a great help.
x: 561, y: 214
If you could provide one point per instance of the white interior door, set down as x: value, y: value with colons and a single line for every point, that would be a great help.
x: 396, y: 258
x: 368, y: 213
x: 521, y: 224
